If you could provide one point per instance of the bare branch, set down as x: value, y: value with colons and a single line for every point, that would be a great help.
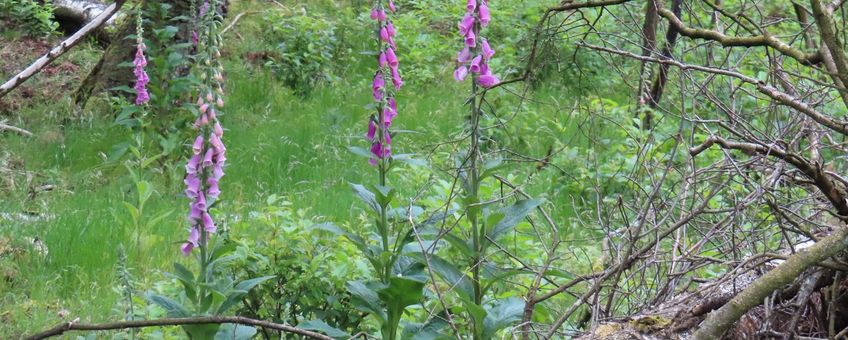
x: 71, y: 326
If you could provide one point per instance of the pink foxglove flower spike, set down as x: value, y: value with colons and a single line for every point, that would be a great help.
x: 475, y: 56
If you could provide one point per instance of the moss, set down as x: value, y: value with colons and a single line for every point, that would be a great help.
x: 650, y: 324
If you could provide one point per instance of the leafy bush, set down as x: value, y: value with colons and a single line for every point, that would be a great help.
x: 310, y: 49
x: 310, y: 268
x: 36, y: 19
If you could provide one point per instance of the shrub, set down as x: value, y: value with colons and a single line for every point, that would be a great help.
x: 34, y: 18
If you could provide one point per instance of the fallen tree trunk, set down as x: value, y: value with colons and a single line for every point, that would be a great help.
x: 80, y: 11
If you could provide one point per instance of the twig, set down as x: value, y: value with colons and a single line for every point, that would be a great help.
x: 57, y: 51
x: 4, y: 127
x: 235, y: 20
x: 71, y: 326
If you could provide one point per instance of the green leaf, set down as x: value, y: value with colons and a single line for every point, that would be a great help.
x: 460, y: 245
x: 430, y: 330
x: 158, y: 218
x: 409, y: 159
x: 400, y: 293
x: 183, y: 274
x: 207, y: 331
x: 173, y: 308
x: 232, y: 299
x: 360, y: 151
x: 478, y: 314
x: 323, y: 327
x: 502, y: 314
x: 365, y: 299
x: 513, y: 215
x: 230, y: 331
x: 247, y: 285
x: 223, y: 248
x: 384, y: 195
x: 366, y: 196
x: 452, y: 276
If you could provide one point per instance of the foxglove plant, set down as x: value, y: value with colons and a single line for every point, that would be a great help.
x: 486, y: 224
x: 204, y: 170
x: 400, y: 281
x: 141, y: 78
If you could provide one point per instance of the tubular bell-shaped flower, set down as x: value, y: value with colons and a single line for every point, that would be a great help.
x: 378, y: 125
x: 477, y: 15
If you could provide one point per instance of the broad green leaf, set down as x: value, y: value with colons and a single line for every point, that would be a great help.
x: 460, y: 245
x: 207, y: 331
x: 367, y: 196
x: 478, y: 315
x: 173, y: 308
x: 132, y: 210
x: 323, y: 327
x: 430, y: 330
x: 247, y: 285
x: 400, y: 293
x: 513, y: 215
x: 366, y: 299
x: 360, y: 151
x: 452, y: 276
x: 230, y: 331
x: 503, y: 313
x: 410, y: 159
x: 182, y: 273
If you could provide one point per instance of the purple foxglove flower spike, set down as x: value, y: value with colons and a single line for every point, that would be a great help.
x: 192, y: 183
x: 392, y: 6
x: 142, y: 96
x: 194, y: 213
x: 191, y: 166
x: 218, y: 171
x: 214, y: 191
x: 378, y: 85
x: 471, y: 5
